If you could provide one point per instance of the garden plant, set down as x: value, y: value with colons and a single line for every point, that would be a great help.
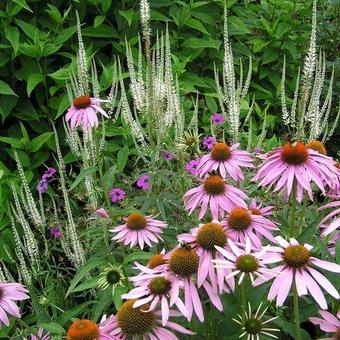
x: 169, y: 170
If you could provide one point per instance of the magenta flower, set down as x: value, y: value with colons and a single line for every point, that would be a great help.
x: 215, y: 193
x: 49, y: 173
x: 192, y: 166
x: 139, y: 229
x: 242, y: 223
x: 84, y: 112
x: 294, y: 162
x: 56, y: 232
x: 143, y: 182
x: 203, y: 241
x: 332, y: 221
x: 217, y: 119
x: 117, y: 194
x: 209, y: 142
x: 102, y: 213
x: 328, y: 323
x: 297, y: 265
x: 143, y: 322
x: 168, y: 155
x: 41, y: 335
x: 227, y: 160
x: 42, y: 186
x: 10, y: 292
x: 155, y: 286
x: 243, y: 262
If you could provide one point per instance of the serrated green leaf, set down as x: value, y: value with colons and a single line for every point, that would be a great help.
x: 33, y: 80
x: 84, y: 173
x: 6, y: 89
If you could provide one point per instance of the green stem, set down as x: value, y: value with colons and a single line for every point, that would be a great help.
x: 293, y: 210
x: 303, y: 212
x: 25, y: 325
x: 212, y: 323
x: 296, y: 314
x: 243, y: 294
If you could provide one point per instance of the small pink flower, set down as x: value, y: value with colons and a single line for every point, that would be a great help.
x: 10, y: 292
x: 297, y: 265
x: 209, y: 142
x: 56, y: 232
x: 295, y: 162
x: 102, y: 213
x: 84, y: 112
x: 217, y: 119
x: 117, y: 194
x: 139, y: 229
x: 215, y: 193
x: 192, y: 166
x: 328, y: 323
x: 227, y: 160
x: 143, y: 182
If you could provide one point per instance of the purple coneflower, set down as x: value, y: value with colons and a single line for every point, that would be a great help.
x: 139, y: 229
x: 332, y: 221
x: 256, y: 209
x: 41, y: 335
x: 102, y: 213
x: 328, y: 323
x: 143, y: 182
x: 84, y: 112
x: 209, y: 142
x: 116, y: 194
x: 10, y: 292
x: 192, y: 166
x: 217, y: 119
x: 144, y: 323
x: 294, y: 163
x: 215, y: 193
x: 297, y: 267
x: 227, y: 160
x: 87, y: 329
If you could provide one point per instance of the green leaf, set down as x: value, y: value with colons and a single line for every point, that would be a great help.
x: 12, y: 35
x: 122, y: 158
x: 202, y: 43
x: 23, y: 4
x: 88, y: 284
x: 211, y: 103
x: 6, y: 89
x: 106, y: 4
x: 65, y: 35
x: 128, y: 15
x: 85, y: 172
x: 98, y: 20
x: 237, y: 26
x: 197, y: 25
x: 140, y: 255
x: 14, y: 142
x: 102, y: 31
x: 83, y: 271
x: 269, y: 55
x: 24, y: 133
x: 53, y: 328
x: 117, y: 295
x: 30, y: 30
x: 33, y: 80
x: 55, y: 14
x: 68, y: 315
x: 39, y: 141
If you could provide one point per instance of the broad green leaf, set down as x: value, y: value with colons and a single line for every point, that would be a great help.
x: 68, y: 315
x: 106, y: 4
x: 88, y: 284
x: 128, y: 15
x: 211, y: 103
x: 23, y: 4
x: 30, y: 30
x: 155, y: 15
x: 197, y: 25
x: 53, y: 328
x: 55, y: 14
x: 6, y: 89
x: 33, y: 80
x: 14, y: 142
x: 117, y: 295
x: 12, y: 35
x: 26, y: 138
x: 39, y: 141
x: 202, y: 43
x: 98, y: 20
x: 102, y: 31
x: 237, y: 26
x: 83, y: 271
x: 141, y: 255
x: 65, y: 35
x: 85, y: 172
x: 122, y: 158
x: 269, y: 55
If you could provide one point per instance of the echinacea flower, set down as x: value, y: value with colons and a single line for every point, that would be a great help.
x: 10, y: 292
x: 294, y: 163
x: 84, y: 111
x: 203, y: 241
x: 243, y: 261
x: 40, y: 335
x: 87, y: 329
x: 209, y: 142
x: 215, y: 193
x: 257, y: 209
x: 116, y: 194
x: 331, y: 222
x: 102, y: 213
x: 317, y: 146
x: 189, y: 141
x: 144, y: 323
x: 297, y: 266
x: 332, y: 242
x: 253, y: 326
x: 242, y: 223
x: 143, y: 182
x: 139, y: 229
x: 227, y: 160
x: 112, y: 276
x: 217, y: 119
x: 156, y: 287
x: 192, y: 166
x: 328, y: 323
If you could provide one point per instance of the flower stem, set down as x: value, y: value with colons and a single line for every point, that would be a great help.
x: 293, y: 210
x: 243, y: 294
x: 303, y: 212
x: 296, y: 314
x: 212, y: 323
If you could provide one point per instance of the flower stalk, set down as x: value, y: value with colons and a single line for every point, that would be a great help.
x: 293, y: 209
